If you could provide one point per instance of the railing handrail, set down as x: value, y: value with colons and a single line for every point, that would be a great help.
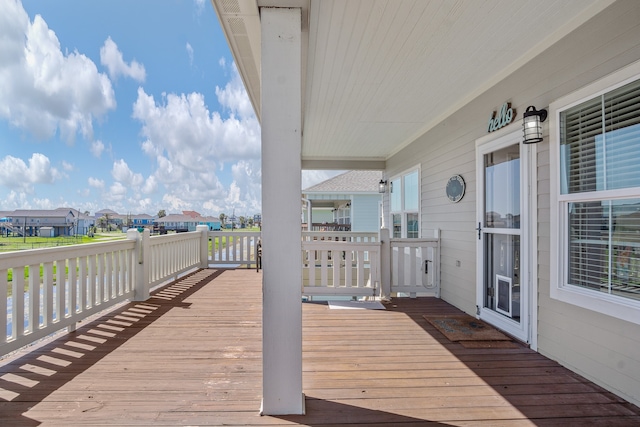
x: 43, y: 255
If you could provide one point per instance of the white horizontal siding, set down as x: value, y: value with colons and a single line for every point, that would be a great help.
x: 601, y: 348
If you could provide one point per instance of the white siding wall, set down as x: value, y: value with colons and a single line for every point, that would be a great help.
x: 601, y: 348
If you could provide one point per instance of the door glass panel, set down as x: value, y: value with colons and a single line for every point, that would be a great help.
x: 502, y: 274
x: 502, y: 188
x: 412, y: 226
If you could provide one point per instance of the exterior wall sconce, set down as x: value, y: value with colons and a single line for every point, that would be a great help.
x: 532, y: 124
x: 382, y: 186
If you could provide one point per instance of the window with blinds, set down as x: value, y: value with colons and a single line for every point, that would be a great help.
x: 600, y: 191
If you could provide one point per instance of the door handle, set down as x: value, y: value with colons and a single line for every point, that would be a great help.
x: 479, y: 229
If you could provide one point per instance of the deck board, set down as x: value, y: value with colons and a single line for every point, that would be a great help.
x: 191, y: 355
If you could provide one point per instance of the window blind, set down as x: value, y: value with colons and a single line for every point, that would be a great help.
x: 599, y: 152
x: 600, y: 142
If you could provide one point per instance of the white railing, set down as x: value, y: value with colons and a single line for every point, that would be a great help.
x: 53, y: 288
x: 339, y: 267
x: 415, y: 266
x: 233, y: 248
x: 172, y: 255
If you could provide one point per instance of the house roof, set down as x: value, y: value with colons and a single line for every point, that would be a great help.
x: 186, y: 218
x: 192, y: 214
x: 106, y: 211
x: 48, y: 213
x: 358, y: 181
x: 377, y: 75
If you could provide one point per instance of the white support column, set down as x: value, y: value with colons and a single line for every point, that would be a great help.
x: 281, y: 234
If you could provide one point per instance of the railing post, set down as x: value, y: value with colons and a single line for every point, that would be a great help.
x: 385, y: 264
x: 204, y: 245
x: 141, y: 263
x: 436, y: 262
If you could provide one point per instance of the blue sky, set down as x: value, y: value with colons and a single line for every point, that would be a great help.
x: 134, y: 106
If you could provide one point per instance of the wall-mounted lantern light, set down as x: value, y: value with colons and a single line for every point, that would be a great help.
x: 382, y: 186
x: 532, y: 124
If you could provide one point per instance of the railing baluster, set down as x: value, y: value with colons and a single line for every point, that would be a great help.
x: 60, y: 290
x: 73, y: 286
x: 92, y: 297
x: 34, y: 297
x: 82, y: 283
x: 47, y: 291
x: 100, y: 298
x: 360, y: 264
x: 348, y: 269
x: 18, y: 303
x: 324, y: 258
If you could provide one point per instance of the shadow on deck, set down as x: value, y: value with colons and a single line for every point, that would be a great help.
x: 191, y: 355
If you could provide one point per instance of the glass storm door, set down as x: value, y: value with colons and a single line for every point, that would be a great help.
x: 502, y: 294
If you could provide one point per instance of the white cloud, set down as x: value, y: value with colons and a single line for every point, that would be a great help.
x: 190, y: 53
x: 96, y: 183
x: 150, y: 185
x: 111, y: 58
x: 15, y: 173
x: 97, y: 147
x: 117, y: 192
x: 191, y: 145
x: 122, y: 174
x: 16, y: 200
x: 42, y: 89
x: 67, y: 166
x: 233, y: 96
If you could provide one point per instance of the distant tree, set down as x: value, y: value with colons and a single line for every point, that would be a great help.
x: 223, y: 219
x: 250, y: 222
x: 103, y: 222
x: 87, y: 213
x: 161, y: 213
x: 242, y: 220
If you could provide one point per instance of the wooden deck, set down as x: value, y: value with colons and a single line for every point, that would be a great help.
x: 191, y: 355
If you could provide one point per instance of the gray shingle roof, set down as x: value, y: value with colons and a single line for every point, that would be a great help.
x: 359, y: 181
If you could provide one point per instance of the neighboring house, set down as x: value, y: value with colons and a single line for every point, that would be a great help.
x: 189, y: 222
x: 347, y: 202
x: 210, y: 221
x: 537, y: 238
x: 99, y: 214
x: 83, y: 222
x: 28, y: 222
x: 177, y: 222
x: 141, y: 220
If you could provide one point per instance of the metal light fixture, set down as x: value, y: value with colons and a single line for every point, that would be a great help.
x: 382, y: 186
x: 532, y: 124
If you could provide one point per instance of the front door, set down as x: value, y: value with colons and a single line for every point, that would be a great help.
x: 502, y: 232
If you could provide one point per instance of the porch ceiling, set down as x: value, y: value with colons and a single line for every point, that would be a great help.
x: 378, y: 74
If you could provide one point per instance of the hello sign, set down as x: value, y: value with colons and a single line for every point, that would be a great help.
x: 503, y: 118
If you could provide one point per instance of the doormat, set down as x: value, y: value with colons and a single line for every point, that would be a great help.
x: 465, y: 328
x: 362, y: 305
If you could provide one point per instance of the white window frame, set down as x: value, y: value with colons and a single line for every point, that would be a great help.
x: 403, y: 212
x: 615, y: 306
